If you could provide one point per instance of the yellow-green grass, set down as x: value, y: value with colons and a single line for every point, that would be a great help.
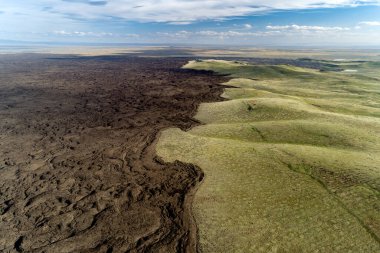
x: 291, y: 160
x: 332, y: 55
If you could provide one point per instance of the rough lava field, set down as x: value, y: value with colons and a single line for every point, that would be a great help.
x: 78, y: 168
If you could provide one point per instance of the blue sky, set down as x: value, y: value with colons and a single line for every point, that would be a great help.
x: 224, y: 22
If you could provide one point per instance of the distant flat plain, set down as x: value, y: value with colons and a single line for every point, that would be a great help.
x: 199, y: 51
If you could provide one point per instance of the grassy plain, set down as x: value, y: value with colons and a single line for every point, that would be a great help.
x: 291, y: 159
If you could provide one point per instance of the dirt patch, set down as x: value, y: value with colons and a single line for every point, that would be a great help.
x: 78, y: 166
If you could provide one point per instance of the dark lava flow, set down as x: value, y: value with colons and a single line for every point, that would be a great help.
x: 78, y: 167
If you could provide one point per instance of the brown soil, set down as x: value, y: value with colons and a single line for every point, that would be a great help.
x: 78, y: 166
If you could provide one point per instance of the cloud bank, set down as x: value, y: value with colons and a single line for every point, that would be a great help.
x: 307, y: 28
x: 157, y: 21
x: 185, y: 11
x: 370, y: 23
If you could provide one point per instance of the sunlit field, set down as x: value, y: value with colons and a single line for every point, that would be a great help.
x: 291, y: 158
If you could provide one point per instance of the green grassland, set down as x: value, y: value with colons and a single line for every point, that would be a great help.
x: 291, y: 159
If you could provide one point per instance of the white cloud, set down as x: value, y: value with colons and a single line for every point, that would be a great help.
x: 185, y: 11
x: 207, y: 34
x: 289, y: 31
x: 370, y: 23
x: 226, y: 34
x: 307, y: 28
x: 180, y: 11
x: 79, y: 33
x: 211, y: 34
x: 282, y: 35
x: 74, y: 19
x: 242, y: 26
x: 92, y: 34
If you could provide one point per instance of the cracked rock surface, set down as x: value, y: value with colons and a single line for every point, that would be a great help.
x: 78, y: 168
